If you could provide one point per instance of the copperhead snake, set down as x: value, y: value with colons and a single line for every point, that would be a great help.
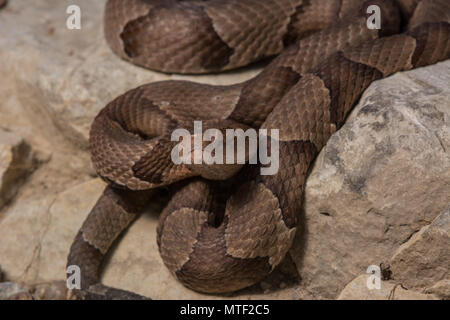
x: 227, y: 227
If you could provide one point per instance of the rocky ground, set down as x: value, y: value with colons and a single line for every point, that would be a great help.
x: 378, y: 192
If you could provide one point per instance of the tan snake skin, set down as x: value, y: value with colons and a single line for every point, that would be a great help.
x: 227, y: 227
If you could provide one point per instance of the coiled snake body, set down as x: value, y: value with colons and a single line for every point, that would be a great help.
x: 226, y: 226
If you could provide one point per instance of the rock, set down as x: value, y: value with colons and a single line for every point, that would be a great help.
x: 64, y: 77
x: 425, y: 258
x: 440, y: 289
x: 56, y: 290
x: 379, y: 180
x: 37, y: 233
x: 17, y: 162
x: 36, y: 236
x: 14, y: 291
x: 358, y: 290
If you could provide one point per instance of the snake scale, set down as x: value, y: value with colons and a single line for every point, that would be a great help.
x: 226, y: 227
